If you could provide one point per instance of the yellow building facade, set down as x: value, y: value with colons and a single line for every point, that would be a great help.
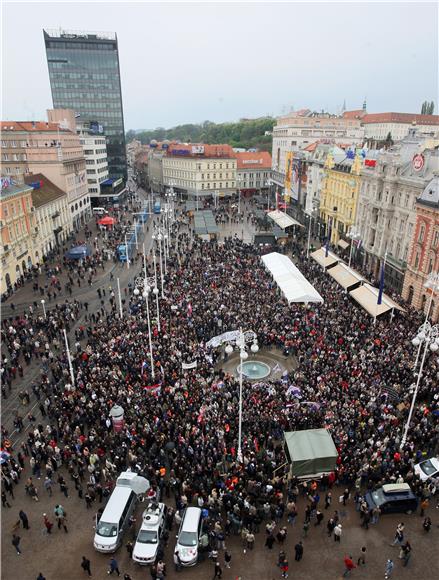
x: 19, y: 235
x: 339, y: 195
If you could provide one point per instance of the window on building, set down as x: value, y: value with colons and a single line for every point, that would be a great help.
x: 435, y: 239
x: 416, y: 263
x: 421, y: 234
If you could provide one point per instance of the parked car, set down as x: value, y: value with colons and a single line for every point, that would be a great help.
x: 150, y: 533
x: 189, y: 534
x: 428, y: 468
x: 393, y: 498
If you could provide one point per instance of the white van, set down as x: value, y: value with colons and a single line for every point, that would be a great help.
x: 189, y: 534
x: 99, y: 211
x: 114, y: 519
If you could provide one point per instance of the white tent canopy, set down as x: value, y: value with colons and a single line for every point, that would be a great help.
x: 345, y: 276
x: 367, y: 296
x: 293, y: 284
x: 325, y: 261
x: 282, y: 219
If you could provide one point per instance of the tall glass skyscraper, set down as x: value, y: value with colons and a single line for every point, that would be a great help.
x: 85, y: 76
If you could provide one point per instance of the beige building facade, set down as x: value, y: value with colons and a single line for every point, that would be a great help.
x: 19, y: 232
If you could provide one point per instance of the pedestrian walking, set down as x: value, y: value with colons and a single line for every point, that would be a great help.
x: 227, y: 558
x: 218, y: 572
x: 85, y: 565
x: 389, y: 569
x: 338, y: 530
x: 399, y: 534
x: 284, y: 567
x: 269, y: 541
x: 298, y: 548
x: 114, y: 567
x: 5, y: 502
x: 426, y: 524
x: 24, y: 519
x: 177, y: 561
x: 362, y: 557
x: 349, y: 566
x: 405, y: 553
x: 47, y: 524
x: 16, y: 543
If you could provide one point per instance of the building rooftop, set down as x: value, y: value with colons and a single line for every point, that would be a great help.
x: 430, y: 195
x: 31, y: 127
x: 200, y: 150
x: 408, y: 118
x: 43, y: 190
x: 9, y: 187
x: 257, y: 160
x: 355, y: 114
x: 78, y: 34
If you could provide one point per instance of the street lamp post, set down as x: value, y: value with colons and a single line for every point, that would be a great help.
x: 120, y: 298
x: 268, y: 185
x: 44, y: 308
x: 69, y: 358
x: 241, y: 340
x: 139, y: 283
x: 158, y: 238
x: 429, y: 336
x: 352, y: 234
x: 127, y: 253
x: 309, y: 233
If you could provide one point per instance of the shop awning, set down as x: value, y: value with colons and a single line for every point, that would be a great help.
x: 342, y: 244
x: 367, y: 296
x: 326, y: 262
x: 345, y: 276
x: 282, y: 219
x: 293, y: 284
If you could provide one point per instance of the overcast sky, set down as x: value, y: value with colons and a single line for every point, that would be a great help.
x: 189, y: 62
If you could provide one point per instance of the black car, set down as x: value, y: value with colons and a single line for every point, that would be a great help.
x: 392, y: 498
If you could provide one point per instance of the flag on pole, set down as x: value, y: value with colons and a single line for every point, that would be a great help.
x: 381, y: 289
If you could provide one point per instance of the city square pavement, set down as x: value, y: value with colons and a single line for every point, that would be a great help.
x: 58, y: 556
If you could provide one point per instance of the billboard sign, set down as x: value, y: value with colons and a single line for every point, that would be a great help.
x: 288, y: 169
x: 197, y: 149
x: 96, y: 128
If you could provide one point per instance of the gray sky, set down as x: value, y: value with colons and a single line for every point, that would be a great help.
x: 189, y: 62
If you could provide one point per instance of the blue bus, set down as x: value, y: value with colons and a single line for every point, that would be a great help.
x: 157, y: 207
x: 122, y: 250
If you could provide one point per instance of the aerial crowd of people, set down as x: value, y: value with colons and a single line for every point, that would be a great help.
x: 180, y: 430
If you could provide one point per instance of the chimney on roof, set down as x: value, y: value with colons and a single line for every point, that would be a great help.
x: 33, y: 125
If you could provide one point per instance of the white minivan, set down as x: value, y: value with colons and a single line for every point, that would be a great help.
x: 114, y: 519
x: 189, y: 534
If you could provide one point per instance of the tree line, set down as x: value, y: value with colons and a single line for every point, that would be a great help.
x: 427, y: 108
x: 245, y: 133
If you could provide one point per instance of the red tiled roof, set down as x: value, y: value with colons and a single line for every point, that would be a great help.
x: 36, y: 126
x: 401, y: 118
x: 257, y: 160
x: 355, y: 114
x: 216, y: 150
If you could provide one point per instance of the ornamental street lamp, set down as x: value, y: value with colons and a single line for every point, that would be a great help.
x: 240, y: 342
x: 352, y: 234
x: 142, y: 282
x: 428, y: 336
x: 432, y: 284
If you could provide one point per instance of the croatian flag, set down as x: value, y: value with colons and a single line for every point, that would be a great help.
x: 381, y: 290
x: 189, y: 309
